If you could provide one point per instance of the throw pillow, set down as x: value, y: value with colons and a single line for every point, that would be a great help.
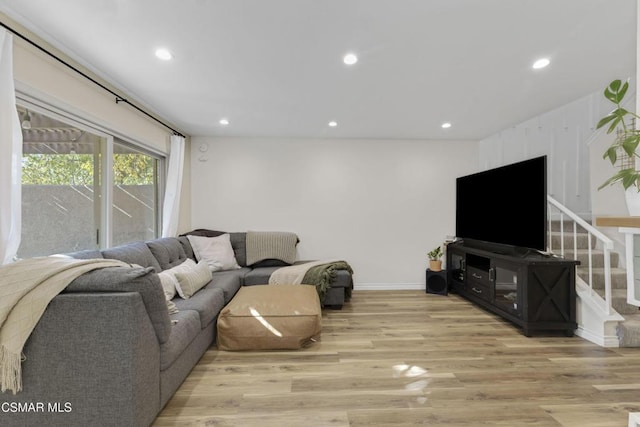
x: 172, y: 307
x: 187, y: 264
x: 169, y: 282
x: 217, y: 252
x: 191, y: 278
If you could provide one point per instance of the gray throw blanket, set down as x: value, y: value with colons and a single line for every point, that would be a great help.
x: 262, y: 245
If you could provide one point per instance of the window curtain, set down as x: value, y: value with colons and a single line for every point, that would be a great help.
x: 171, y: 208
x: 10, y: 156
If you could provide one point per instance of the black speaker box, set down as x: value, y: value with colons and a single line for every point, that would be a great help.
x: 437, y: 282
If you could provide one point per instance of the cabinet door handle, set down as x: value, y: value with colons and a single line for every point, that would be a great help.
x: 476, y: 276
x: 492, y: 274
x: 476, y: 290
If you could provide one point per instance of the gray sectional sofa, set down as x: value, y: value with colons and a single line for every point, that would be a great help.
x: 107, y: 352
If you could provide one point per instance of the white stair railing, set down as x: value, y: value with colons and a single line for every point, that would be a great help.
x: 592, y: 232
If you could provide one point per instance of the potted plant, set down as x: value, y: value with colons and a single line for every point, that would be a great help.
x: 623, y: 151
x: 435, y: 259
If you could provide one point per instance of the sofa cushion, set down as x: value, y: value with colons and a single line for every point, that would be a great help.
x: 207, y: 302
x: 86, y: 254
x: 205, y: 232
x: 259, y: 276
x: 133, y: 253
x: 216, y: 251
x: 185, y: 328
x: 239, y: 243
x: 229, y: 281
x: 188, y: 250
x: 168, y: 251
x: 130, y: 279
x: 270, y: 262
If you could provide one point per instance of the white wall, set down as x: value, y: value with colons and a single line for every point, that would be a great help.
x: 46, y: 79
x: 381, y: 205
x: 574, y: 147
x: 610, y: 200
x: 566, y: 136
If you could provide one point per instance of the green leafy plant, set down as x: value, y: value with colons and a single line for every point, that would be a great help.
x: 622, y: 121
x: 435, y: 254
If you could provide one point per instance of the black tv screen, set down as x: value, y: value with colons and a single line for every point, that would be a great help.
x: 505, y: 205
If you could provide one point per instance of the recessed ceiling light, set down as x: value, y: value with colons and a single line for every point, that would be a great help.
x: 163, y: 54
x: 446, y: 125
x: 350, y: 59
x: 333, y: 123
x: 541, y: 63
x: 224, y: 122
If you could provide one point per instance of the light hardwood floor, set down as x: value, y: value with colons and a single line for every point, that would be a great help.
x: 404, y: 358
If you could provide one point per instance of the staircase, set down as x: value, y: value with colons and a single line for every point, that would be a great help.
x: 625, y: 318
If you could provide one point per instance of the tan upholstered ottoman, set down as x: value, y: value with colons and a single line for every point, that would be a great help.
x: 270, y: 317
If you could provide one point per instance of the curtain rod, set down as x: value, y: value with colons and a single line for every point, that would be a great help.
x: 119, y: 98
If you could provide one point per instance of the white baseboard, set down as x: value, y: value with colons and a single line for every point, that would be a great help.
x: 388, y: 286
x: 601, y: 340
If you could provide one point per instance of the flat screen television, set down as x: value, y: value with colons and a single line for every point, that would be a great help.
x: 506, y: 205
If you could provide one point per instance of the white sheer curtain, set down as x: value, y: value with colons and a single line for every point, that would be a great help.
x: 10, y: 156
x: 171, y: 208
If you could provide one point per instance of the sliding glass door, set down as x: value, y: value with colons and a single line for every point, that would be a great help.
x: 65, y: 206
x: 135, y: 194
x: 60, y: 186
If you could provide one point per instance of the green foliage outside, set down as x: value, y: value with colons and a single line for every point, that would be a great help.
x: 77, y: 169
x: 133, y: 169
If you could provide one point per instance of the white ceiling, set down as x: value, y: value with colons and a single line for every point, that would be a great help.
x: 274, y: 68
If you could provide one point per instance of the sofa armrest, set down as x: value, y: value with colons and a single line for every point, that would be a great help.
x: 93, y: 359
x: 130, y: 279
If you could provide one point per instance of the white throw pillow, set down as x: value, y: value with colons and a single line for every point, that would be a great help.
x: 172, y: 307
x: 168, y: 277
x: 191, y: 278
x: 169, y: 282
x: 216, y: 251
x: 187, y: 264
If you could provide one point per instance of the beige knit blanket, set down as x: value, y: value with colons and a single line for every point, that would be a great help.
x: 263, y: 245
x: 26, y: 288
x: 293, y: 274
